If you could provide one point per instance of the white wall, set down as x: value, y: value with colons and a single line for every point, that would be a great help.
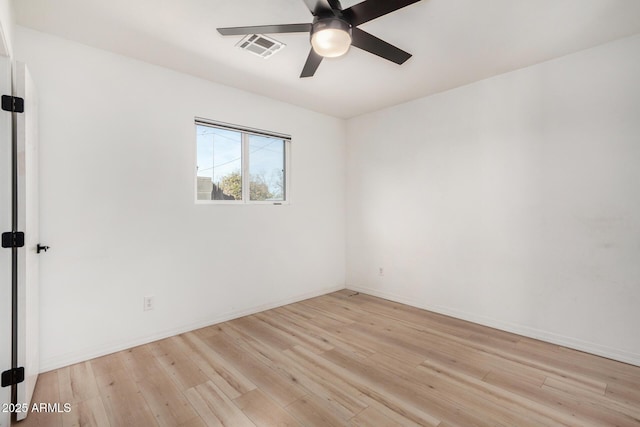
x: 6, y: 28
x: 512, y: 202
x: 117, y: 160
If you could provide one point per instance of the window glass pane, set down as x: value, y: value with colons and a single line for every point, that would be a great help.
x: 219, y: 164
x: 266, y: 168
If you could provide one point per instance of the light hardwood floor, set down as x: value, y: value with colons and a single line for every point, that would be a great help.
x: 343, y: 359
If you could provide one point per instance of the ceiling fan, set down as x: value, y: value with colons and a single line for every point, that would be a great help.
x: 334, y: 30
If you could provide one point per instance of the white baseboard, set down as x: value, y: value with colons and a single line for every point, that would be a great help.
x: 93, y: 352
x: 550, y: 337
x: 599, y: 350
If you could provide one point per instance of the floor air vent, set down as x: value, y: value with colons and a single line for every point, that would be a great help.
x: 260, y: 45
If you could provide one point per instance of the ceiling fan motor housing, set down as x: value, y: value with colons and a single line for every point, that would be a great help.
x: 330, y: 22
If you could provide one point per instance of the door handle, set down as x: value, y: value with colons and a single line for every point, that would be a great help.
x: 41, y: 248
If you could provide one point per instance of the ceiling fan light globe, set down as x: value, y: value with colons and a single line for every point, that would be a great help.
x: 331, y: 42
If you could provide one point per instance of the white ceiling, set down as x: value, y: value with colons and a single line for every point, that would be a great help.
x: 454, y: 42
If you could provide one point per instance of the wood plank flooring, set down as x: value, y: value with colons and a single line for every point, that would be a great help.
x: 343, y: 359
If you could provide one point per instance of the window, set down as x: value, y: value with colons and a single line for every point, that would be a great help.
x: 241, y: 165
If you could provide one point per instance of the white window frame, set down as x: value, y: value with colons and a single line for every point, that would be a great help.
x: 245, y: 161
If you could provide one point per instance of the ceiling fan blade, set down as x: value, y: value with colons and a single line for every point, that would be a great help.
x: 369, y: 10
x: 265, y: 29
x: 335, y: 4
x: 318, y: 6
x: 312, y: 64
x: 372, y: 44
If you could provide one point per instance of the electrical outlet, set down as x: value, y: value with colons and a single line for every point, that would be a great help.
x: 149, y: 303
x: 381, y: 271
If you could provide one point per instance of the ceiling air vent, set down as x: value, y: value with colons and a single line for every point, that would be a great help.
x: 260, y: 45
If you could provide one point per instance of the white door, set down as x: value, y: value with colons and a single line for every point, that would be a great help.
x: 28, y: 221
x: 5, y: 225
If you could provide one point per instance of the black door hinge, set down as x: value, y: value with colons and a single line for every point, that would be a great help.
x: 12, y: 376
x: 13, y: 239
x: 12, y: 103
